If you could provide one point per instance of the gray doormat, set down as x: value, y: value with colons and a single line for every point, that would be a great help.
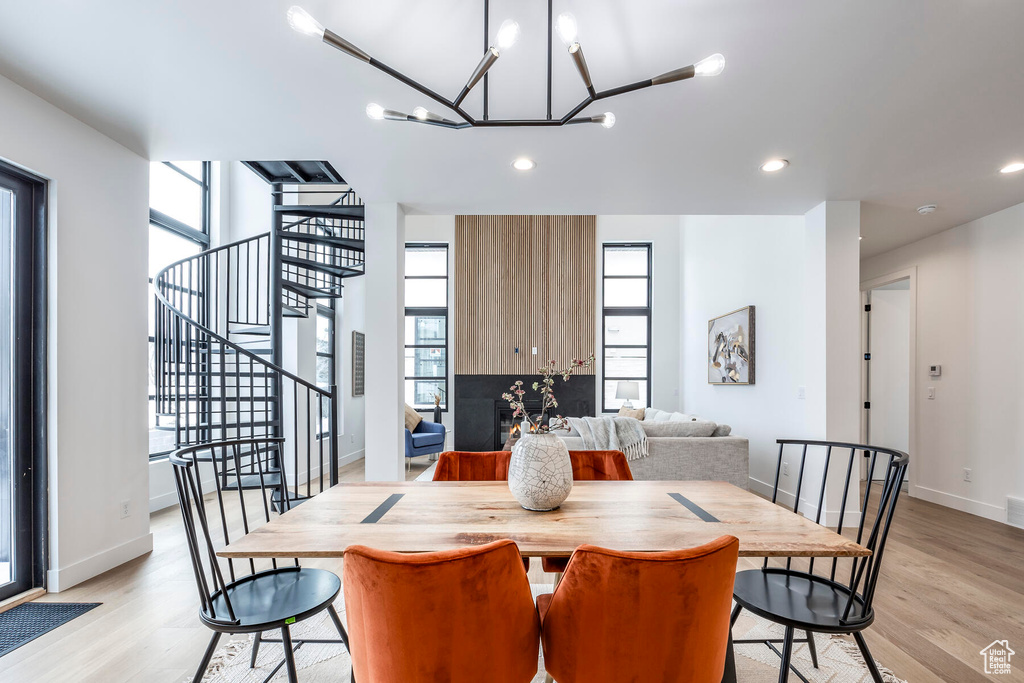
x: 27, y: 622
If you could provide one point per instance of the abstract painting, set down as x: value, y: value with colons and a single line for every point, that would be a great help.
x: 731, y: 348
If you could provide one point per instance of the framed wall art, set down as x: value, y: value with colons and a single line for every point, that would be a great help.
x: 731, y: 348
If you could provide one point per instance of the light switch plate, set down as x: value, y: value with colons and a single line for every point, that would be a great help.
x: 931, y: 393
x: 801, y: 392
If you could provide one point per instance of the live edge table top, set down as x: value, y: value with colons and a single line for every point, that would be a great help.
x: 623, y: 515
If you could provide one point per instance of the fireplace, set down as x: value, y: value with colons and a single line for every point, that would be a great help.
x: 483, y: 419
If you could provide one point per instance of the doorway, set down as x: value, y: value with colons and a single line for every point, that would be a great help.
x: 888, y: 375
x: 22, y: 382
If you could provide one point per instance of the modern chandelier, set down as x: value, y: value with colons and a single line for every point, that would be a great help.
x: 505, y: 38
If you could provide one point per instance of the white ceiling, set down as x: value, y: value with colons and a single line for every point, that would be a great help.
x: 897, y: 104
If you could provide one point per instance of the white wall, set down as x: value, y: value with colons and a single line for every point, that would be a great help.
x: 970, y: 319
x: 727, y: 262
x: 663, y: 232
x: 98, y: 212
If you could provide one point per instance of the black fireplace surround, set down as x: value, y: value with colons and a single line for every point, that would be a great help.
x: 478, y: 405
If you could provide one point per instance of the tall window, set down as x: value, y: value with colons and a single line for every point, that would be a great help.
x: 426, y: 325
x: 626, y: 352
x: 179, y: 227
x: 325, y: 362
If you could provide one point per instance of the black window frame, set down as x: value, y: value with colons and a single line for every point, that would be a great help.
x: 433, y: 312
x: 625, y: 311
x: 328, y: 312
x: 200, y: 237
x: 29, y: 418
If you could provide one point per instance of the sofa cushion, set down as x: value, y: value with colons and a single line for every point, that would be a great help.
x: 427, y: 439
x: 637, y: 414
x: 678, y: 428
x: 412, y: 418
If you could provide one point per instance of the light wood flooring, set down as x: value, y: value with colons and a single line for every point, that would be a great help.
x: 951, y: 584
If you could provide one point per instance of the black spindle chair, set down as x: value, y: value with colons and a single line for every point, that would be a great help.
x: 247, y: 599
x: 839, y: 598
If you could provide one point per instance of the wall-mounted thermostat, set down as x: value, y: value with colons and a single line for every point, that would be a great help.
x: 934, y: 370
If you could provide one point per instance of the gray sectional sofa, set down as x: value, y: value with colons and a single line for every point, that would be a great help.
x: 671, y: 456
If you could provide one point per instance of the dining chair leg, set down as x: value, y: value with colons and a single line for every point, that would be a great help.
x: 289, y: 655
x: 876, y: 675
x: 735, y: 614
x: 787, y: 655
x: 210, y: 649
x: 255, y: 649
x: 548, y: 678
x: 338, y: 625
x: 813, y: 648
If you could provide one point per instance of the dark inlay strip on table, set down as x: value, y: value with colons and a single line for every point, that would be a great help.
x: 383, y: 508
x: 693, y: 507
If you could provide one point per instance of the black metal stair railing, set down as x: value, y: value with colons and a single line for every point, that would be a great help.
x: 216, y: 378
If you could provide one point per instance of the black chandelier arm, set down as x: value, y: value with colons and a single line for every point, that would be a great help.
x: 415, y: 85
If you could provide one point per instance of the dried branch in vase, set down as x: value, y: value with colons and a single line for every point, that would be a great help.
x: 545, y: 386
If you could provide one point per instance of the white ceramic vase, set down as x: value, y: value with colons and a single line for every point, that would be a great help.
x: 540, y: 472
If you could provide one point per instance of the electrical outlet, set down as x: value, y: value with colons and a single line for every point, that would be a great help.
x: 967, y: 474
x: 535, y: 350
x: 785, y: 469
x: 125, y: 508
x: 801, y: 392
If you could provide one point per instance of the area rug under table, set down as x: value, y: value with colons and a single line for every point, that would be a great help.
x: 839, y: 659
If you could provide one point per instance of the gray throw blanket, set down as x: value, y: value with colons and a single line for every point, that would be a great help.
x: 616, y: 433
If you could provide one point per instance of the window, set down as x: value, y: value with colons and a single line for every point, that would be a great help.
x: 626, y: 321
x: 325, y: 363
x: 179, y: 227
x: 426, y: 325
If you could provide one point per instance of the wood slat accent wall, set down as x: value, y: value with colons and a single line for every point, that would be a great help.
x: 525, y: 281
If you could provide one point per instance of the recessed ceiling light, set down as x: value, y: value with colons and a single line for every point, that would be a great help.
x: 927, y: 209
x: 524, y: 164
x: 773, y: 165
x: 1013, y: 168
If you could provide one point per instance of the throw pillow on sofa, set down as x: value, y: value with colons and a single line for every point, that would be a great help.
x: 637, y: 414
x: 412, y: 418
x: 722, y: 430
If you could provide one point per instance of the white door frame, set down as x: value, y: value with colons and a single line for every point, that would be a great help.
x: 866, y: 285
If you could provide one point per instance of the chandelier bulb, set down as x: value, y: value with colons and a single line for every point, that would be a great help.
x: 565, y: 24
x: 607, y: 119
x: 710, y: 66
x: 421, y: 113
x: 303, y: 22
x: 508, y: 34
x: 375, y: 111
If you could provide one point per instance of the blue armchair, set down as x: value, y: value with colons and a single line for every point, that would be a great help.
x: 427, y: 438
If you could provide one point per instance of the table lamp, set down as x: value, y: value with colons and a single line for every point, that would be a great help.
x: 628, y: 391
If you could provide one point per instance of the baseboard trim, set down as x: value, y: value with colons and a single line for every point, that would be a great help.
x: 351, y: 457
x: 58, y: 580
x: 830, y: 518
x: 974, y: 507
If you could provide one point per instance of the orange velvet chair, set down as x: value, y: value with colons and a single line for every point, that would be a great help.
x: 628, y: 616
x: 470, y: 466
x: 463, y: 615
x: 493, y: 466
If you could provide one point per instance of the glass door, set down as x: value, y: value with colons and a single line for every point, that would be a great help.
x: 22, y: 381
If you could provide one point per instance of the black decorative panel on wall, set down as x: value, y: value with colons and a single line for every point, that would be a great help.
x: 478, y: 402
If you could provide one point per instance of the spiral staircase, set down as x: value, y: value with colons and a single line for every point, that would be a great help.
x: 219, y: 327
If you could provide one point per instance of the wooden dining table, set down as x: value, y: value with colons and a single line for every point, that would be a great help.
x: 624, y: 515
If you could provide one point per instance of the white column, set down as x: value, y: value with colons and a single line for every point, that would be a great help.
x: 832, y: 331
x: 385, y: 342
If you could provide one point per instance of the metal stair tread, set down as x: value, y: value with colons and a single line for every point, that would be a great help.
x: 357, y: 212
x: 310, y: 292
x: 338, y: 271
x: 342, y: 242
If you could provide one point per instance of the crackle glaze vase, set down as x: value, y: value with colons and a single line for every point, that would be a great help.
x: 540, y: 472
